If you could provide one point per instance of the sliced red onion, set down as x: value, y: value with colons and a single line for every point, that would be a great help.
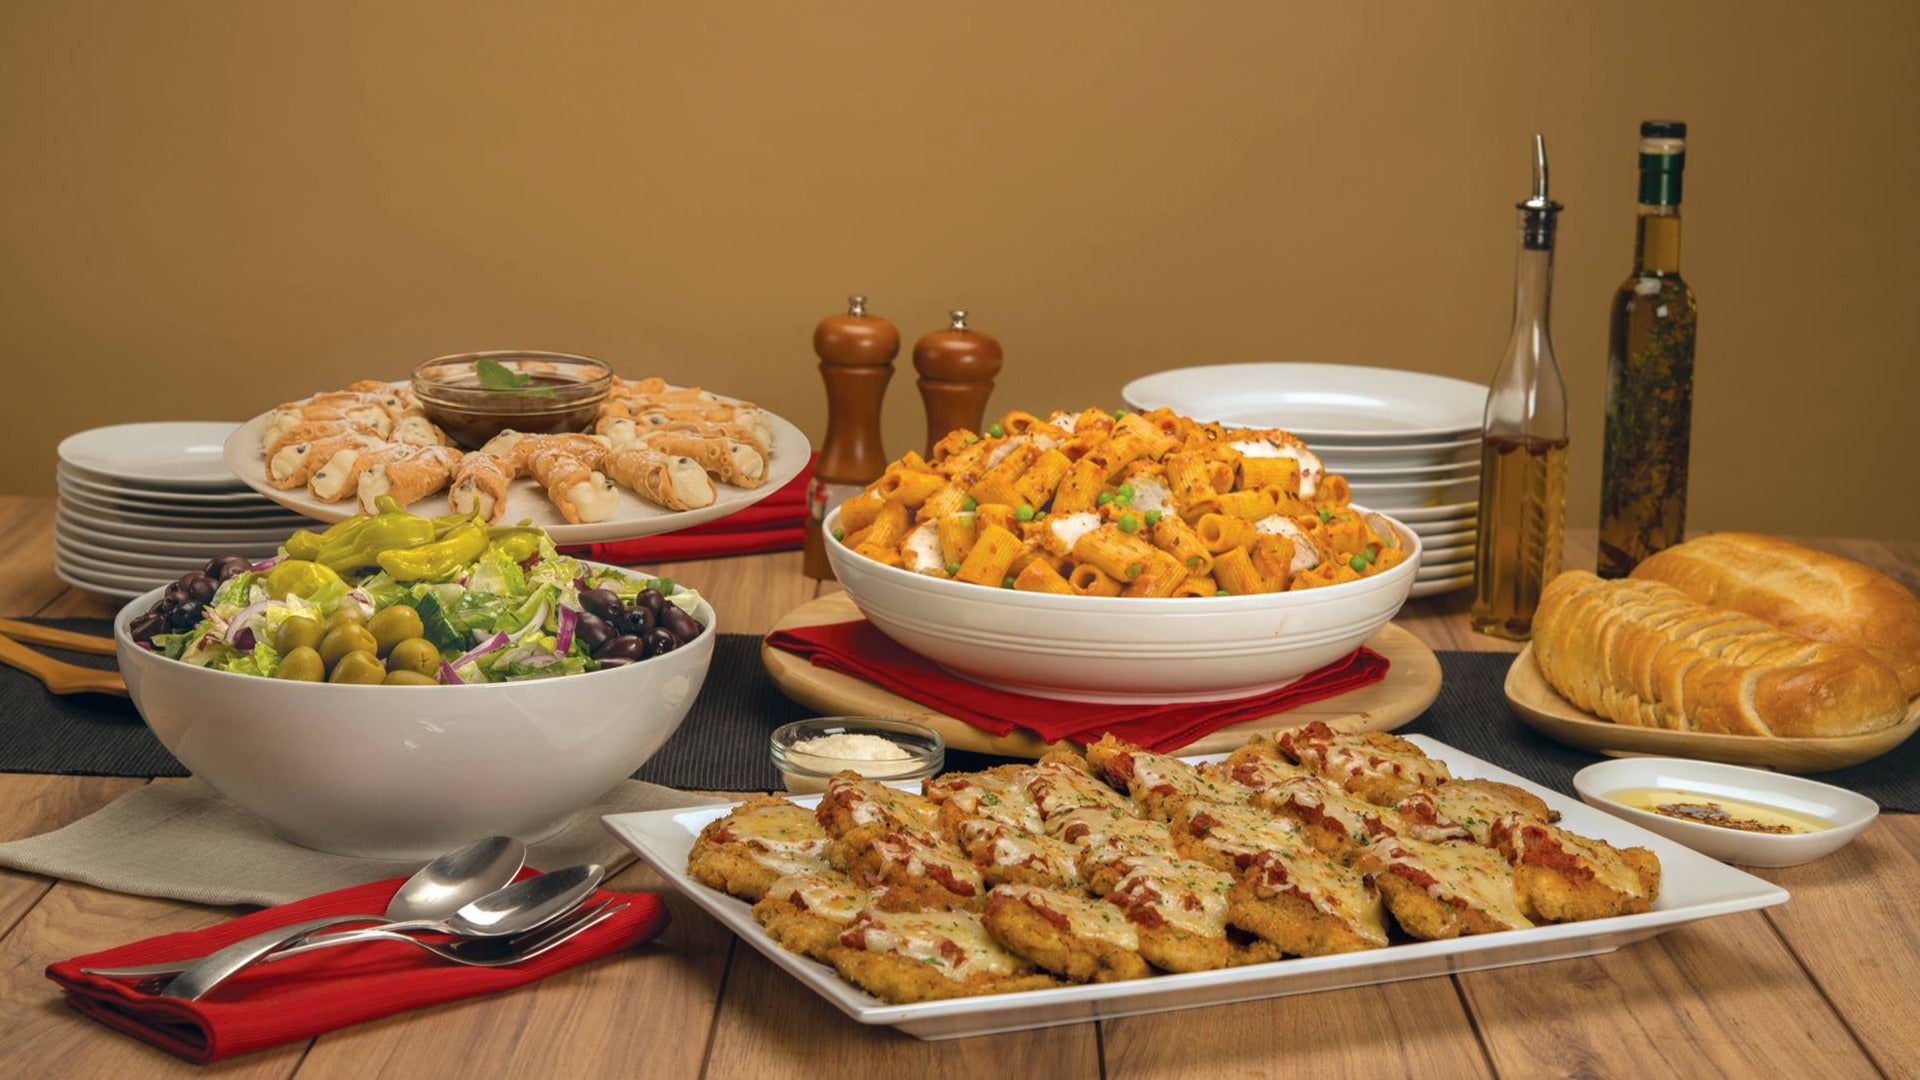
x: 534, y: 625
x: 563, y: 636
x: 450, y: 677
x: 239, y: 625
x: 360, y: 597
x: 492, y: 644
x: 268, y: 564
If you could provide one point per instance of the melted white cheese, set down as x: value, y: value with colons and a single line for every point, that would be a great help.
x: 1069, y: 529
x: 1094, y: 919
x: 1150, y: 492
x: 828, y: 895
x: 954, y: 943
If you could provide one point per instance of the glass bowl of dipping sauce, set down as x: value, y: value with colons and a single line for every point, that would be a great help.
x: 559, y: 392
x: 809, y: 752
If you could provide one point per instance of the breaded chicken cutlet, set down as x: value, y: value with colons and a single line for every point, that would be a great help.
x: 761, y: 840
x: 926, y: 956
x: 1561, y: 877
x: 1066, y: 933
x: 1376, y: 766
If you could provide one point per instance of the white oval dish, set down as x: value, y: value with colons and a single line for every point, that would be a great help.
x: 1846, y: 812
x: 1336, y: 402
x: 406, y: 772
x: 1122, y: 650
x: 182, y: 454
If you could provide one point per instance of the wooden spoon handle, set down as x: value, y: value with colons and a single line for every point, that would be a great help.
x: 56, y: 638
x: 58, y: 676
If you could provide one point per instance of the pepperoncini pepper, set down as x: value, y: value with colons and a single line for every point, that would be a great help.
x: 362, y: 544
x: 439, y: 559
x: 516, y: 544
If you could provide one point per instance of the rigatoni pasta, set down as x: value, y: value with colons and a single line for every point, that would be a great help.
x: 1119, y: 504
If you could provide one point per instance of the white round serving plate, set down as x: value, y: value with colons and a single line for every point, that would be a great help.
x: 1425, y: 517
x: 1340, y: 457
x: 134, y: 560
x: 1451, y: 537
x: 117, y: 586
x: 182, y: 454
x: 1121, y: 650
x: 1436, y: 557
x: 1845, y: 812
x: 1423, y: 589
x: 1335, y: 403
x: 526, y: 500
x: 137, y: 514
x: 197, y: 533
x: 1416, y: 495
x: 73, y: 479
x: 1457, y: 470
x: 407, y: 772
x: 65, y: 528
x: 1453, y: 572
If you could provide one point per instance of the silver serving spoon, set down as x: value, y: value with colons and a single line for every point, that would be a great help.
x: 439, y: 888
x: 516, y: 909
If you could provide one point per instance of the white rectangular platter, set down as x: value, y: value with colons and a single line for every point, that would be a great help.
x: 1692, y: 887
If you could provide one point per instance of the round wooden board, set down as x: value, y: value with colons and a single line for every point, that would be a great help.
x: 1412, y: 682
x: 1544, y: 710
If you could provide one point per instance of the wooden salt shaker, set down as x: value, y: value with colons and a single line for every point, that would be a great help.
x: 956, y: 367
x: 856, y: 359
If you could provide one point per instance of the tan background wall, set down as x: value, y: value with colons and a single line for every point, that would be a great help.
x: 211, y: 207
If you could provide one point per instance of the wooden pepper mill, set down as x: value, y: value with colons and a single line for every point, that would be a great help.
x: 956, y: 367
x: 856, y: 359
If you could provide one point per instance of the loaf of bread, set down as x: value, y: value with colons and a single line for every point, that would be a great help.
x: 1646, y: 654
x: 1800, y: 590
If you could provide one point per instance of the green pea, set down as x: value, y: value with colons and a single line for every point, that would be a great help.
x: 953, y: 568
x: 1325, y: 515
x: 1222, y: 592
x: 1129, y: 523
x: 1006, y: 583
x: 1193, y: 562
x: 995, y: 430
x: 839, y: 533
x: 1372, y: 553
x: 969, y: 440
x: 1119, y: 413
x: 301, y: 664
x: 1123, y: 500
x: 1124, y: 491
x: 1105, y: 498
x: 1358, y: 562
x: 969, y: 504
x: 1023, y: 512
x: 1134, y: 571
x: 1153, y: 518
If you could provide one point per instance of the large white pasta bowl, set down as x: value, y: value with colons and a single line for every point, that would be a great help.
x: 407, y: 772
x: 1123, y: 650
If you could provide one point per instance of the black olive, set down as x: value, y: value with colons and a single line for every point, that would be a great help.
x: 227, y: 566
x: 176, y: 594
x: 661, y: 640
x: 186, y: 615
x: 199, y: 586
x: 143, y: 627
x: 624, y: 648
x: 684, y: 626
x: 602, y: 602
x: 592, y: 630
x: 649, y: 599
x: 635, y: 621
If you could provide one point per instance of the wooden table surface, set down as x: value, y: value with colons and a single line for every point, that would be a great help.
x: 1824, y: 986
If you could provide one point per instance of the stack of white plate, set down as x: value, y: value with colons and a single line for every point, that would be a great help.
x: 141, y: 504
x: 1407, y: 442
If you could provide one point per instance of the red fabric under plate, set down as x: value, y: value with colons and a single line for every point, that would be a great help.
x: 775, y: 523
x: 296, y: 999
x: 858, y: 649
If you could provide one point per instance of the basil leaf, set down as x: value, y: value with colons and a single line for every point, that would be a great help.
x: 495, y: 375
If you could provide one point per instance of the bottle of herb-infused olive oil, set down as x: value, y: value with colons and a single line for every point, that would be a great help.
x: 1523, y: 448
x: 1643, y: 483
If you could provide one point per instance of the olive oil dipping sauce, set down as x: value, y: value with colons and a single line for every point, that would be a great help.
x: 1718, y: 810
x: 475, y: 396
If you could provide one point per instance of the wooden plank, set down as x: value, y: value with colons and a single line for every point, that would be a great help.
x: 771, y: 1026
x: 1719, y: 998
x: 1854, y: 924
x: 75, y: 604
x: 27, y: 583
x: 1416, y: 1028
x: 646, y: 1012
x: 31, y: 805
x: 748, y: 593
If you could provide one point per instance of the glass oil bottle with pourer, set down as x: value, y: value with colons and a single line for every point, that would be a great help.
x: 1523, y: 445
x: 1643, y: 477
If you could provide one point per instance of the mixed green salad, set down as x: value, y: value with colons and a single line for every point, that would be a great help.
x: 402, y: 600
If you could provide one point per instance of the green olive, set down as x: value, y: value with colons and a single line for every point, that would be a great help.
x: 342, y: 640
x: 417, y: 655
x: 360, y: 667
x: 347, y: 615
x: 409, y: 678
x: 301, y: 664
x: 298, y: 631
x: 393, y: 625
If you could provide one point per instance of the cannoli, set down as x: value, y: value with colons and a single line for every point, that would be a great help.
x: 308, y: 431
x: 415, y: 428
x: 580, y: 492
x: 294, y: 464
x: 340, y: 476
x: 677, y: 483
x: 480, y: 486
x: 408, y: 478
x: 371, y: 417
x: 732, y: 461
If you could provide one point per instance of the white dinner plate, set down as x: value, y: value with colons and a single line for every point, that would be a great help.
x: 140, y: 514
x: 116, y: 579
x: 633, y: 517
x: 69, y: 530
x: 1451, y: 572
x: 1419, y: 517
x: 1693, y: 887
x: 240, y: 496
x: 134, y: 558
x: 1451, y: 471
x: 113, y: 569
x: 1452, y: 537
x: 1440, y: 556
x: 1423, y: 589
x: 195, y: 534
x: 170, y: 454
x: 1333, y: 402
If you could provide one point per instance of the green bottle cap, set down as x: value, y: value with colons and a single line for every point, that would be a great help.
x: 1663, y: 158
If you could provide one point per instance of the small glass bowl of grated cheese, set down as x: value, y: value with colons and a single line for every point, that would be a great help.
x: 809, y: 752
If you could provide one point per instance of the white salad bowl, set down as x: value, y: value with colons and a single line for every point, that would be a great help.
x: 1122, y: 650
x: 407, y: 772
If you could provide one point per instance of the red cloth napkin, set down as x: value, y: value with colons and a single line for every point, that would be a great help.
x: 303, y: 996
x: 858, y: 649
x: 775, y: 523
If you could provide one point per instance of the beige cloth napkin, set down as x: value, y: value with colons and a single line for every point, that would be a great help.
x: 184, y: 841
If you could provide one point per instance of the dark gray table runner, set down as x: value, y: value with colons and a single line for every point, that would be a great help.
x: 722, y: 746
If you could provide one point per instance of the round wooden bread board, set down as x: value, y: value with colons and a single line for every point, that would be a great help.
x: 1544, y: 710
x: 1412, y: 682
